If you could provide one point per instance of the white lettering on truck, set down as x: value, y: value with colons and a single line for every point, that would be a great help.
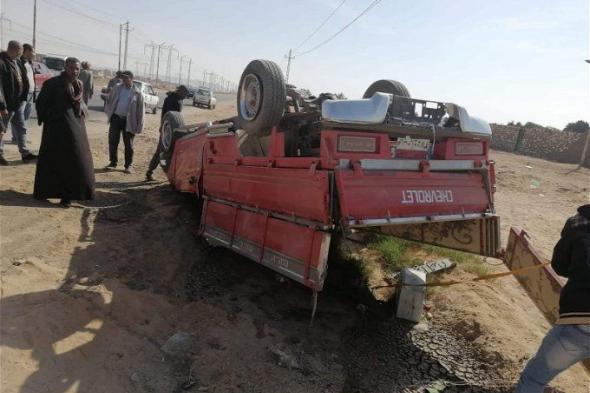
x: 427, y: 196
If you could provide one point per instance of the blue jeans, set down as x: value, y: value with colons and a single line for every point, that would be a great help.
x: 29, y: 106
x: 19, y: 130
x: 26, y: 113
x: 564, y: 346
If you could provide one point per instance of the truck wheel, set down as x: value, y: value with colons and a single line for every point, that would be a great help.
x: 154, y: 110
x: 261, y: 97
x: 170, y: 134
x: 387, y: 86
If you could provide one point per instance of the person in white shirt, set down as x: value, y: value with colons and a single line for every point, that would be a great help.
x: 124, y: 109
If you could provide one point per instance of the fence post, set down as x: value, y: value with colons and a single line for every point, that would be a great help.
x: 585, y: 151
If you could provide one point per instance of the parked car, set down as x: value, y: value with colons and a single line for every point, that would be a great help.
x: 191, y: 92
x: 204, y: 97
x: 150, y: 98
x: 55, y: 63
x: 42, y: 74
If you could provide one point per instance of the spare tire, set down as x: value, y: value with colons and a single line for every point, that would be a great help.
x: 261, y: 97
x: 169, y: 134
x: 387, y: 86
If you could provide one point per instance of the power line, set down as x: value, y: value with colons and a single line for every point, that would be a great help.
x: 321, y: 25
x: 56, y: 38
x: 93, y: 9
x: 373, y: 4
x: 80, y: 13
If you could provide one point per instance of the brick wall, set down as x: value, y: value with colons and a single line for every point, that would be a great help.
x: 550, y: 145
x: 504, y: 137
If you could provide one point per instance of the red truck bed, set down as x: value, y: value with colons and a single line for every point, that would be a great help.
x: 281, y: 211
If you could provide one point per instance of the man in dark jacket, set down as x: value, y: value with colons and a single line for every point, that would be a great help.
x: 568, y: 342
x: 64, y: 168
x: 14, y: 90
x: 173, y: 102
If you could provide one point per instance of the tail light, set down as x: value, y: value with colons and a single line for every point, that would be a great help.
x: 469, y: 148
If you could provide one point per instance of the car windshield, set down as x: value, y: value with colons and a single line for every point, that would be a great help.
x: 54, y: 63
x: 137, y: 85
x: 204, y: 92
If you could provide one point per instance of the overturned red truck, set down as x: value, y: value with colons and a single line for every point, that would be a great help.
x: 278, y: 180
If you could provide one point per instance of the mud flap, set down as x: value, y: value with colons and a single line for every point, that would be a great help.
x: 543, y: 285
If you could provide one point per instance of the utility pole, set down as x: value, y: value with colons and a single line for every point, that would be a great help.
x: 169, y: 65
x: 126, y: 44
x: 152, y: 46
x: 120, y: 42
x: 34, y: 23
x: 180, y: 70
x: 160, y: 47
x: 289, y: 58
x: 204, y: 77
x: 1, y: 26
x: 188, y: 77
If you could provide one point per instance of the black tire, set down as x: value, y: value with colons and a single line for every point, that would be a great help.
x: 387, y: 86
x: 170, y: 134
x: 263, y: 83
x: 154, y: 110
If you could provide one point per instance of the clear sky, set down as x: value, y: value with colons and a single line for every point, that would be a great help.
x: 503, y: 59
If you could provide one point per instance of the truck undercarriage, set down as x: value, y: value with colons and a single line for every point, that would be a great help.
x: 276, y: 191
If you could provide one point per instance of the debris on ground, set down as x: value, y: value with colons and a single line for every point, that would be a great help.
x: 181, y: 344
x: 285, y: 357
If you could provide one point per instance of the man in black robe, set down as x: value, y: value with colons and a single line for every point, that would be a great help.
x: 64, y: 167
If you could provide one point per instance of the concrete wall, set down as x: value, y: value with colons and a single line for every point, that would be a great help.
x: 550, y: 145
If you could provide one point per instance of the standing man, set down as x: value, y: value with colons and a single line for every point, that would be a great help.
x: 568, y: 342
x: 173, y: 102
x: 64, y: 168
x: 13, y: 96
x: 125, y: 109
x: 25, y: 110
x: 87, y: 81
x: 27, y: 61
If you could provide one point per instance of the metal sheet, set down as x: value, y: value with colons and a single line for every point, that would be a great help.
x: 292, y: 192
x: 269, y: 241
x: 386, y: 195
x: 543, y: 285
x: 477, y: 236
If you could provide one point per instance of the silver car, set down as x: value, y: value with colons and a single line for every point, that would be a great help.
x: 204, y: 97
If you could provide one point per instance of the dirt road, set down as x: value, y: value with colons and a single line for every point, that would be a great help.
x: 92, y: 295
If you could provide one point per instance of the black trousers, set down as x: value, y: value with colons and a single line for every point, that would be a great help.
x: 155, y: 161
x: 117, y: 127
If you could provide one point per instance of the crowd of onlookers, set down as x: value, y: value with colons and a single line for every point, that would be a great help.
x: 64, y: 164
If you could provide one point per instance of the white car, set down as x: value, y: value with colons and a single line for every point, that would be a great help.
x: 150, y: 98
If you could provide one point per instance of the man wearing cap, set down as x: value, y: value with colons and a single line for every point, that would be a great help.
x: 124, y: 109
x: 173, y: 102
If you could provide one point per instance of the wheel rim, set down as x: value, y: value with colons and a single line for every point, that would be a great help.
x: 166, y: 135
x: 250, y: 97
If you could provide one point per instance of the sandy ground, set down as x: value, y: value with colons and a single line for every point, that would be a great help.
x: 91, y: 294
